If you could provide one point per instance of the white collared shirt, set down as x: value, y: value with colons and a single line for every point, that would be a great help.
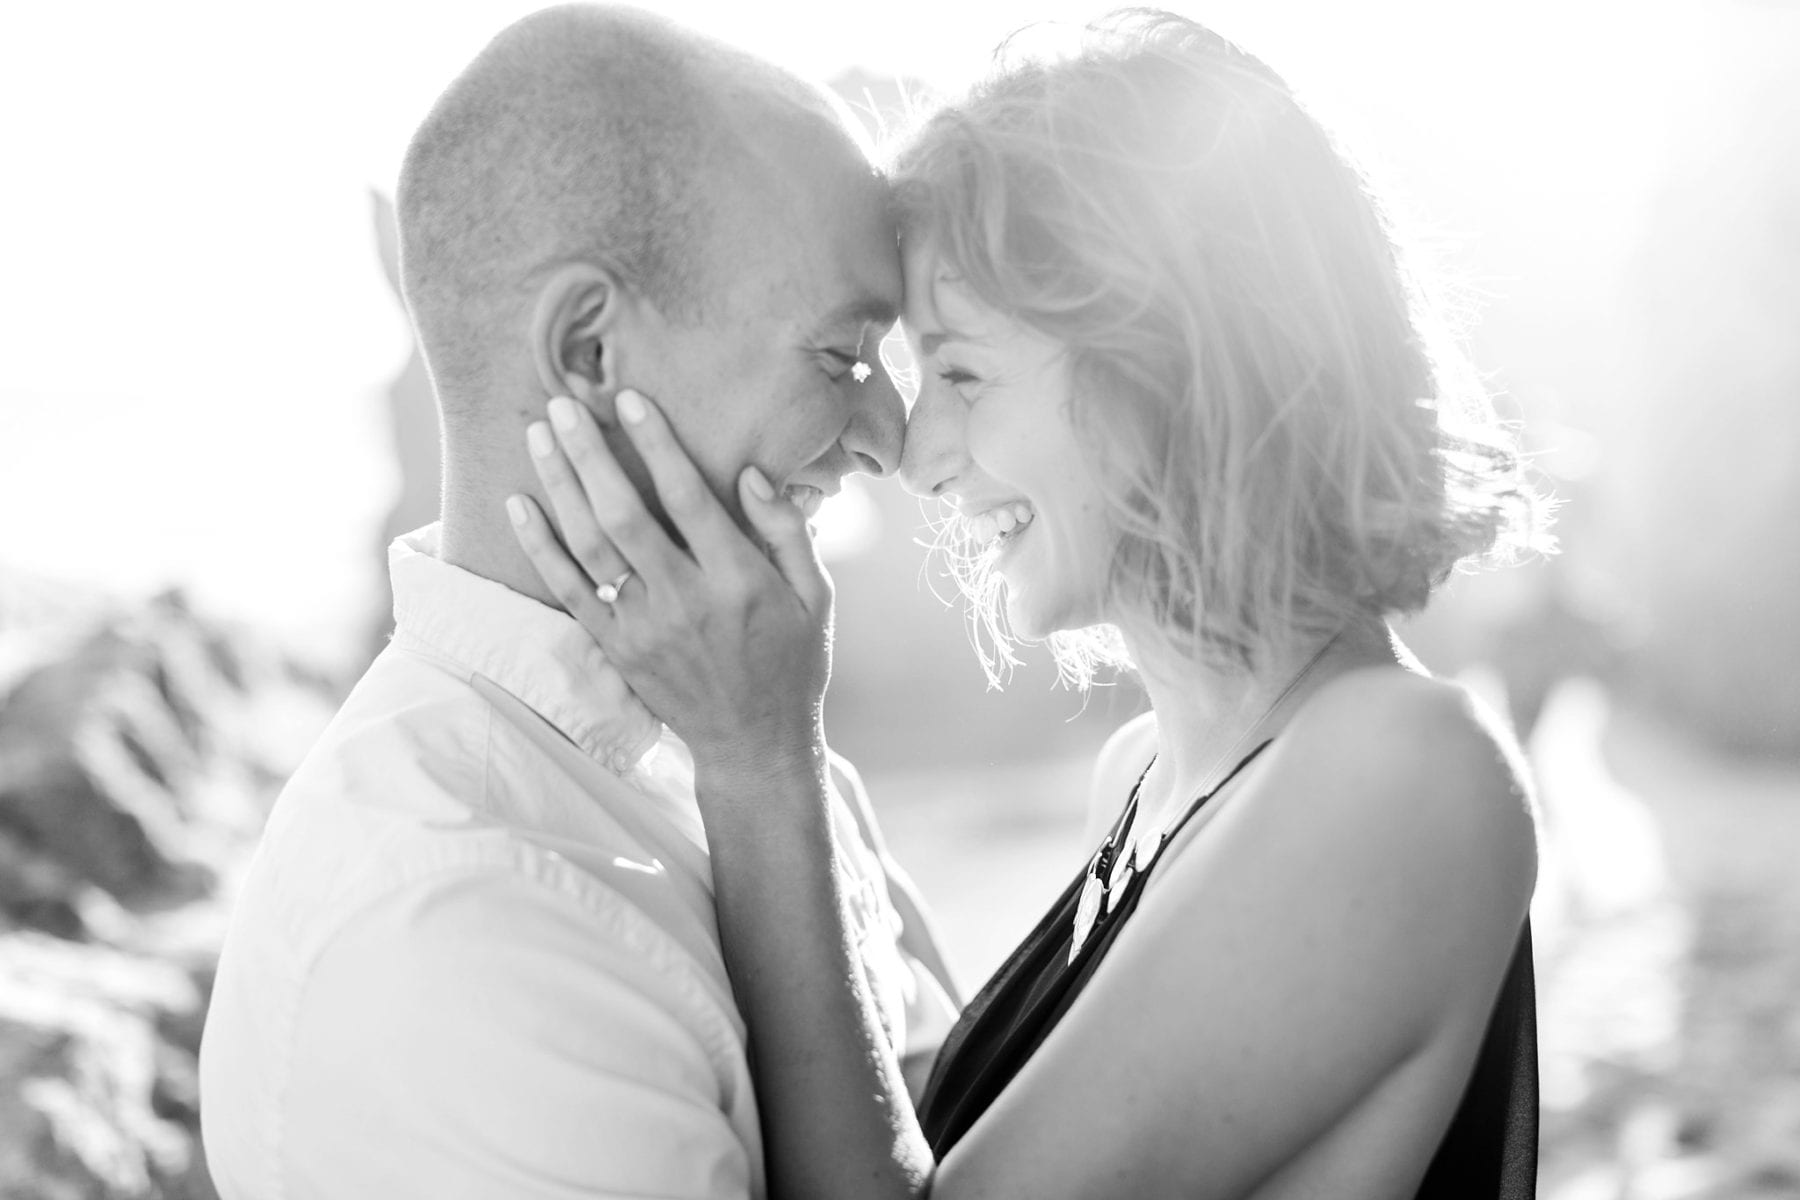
x: 470, y: 959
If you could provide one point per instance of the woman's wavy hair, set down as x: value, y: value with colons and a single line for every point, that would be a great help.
x: 1284, y: 431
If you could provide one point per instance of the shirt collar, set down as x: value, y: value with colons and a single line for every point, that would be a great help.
x: 538, y: 653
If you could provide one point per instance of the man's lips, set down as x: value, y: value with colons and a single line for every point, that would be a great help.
x: 805, y: 497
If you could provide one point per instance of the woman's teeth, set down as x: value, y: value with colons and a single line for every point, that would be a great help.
x: 806, y: 499
x: 998, y: 523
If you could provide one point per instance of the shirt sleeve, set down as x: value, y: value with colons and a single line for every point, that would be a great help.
x: 930, y: 991
x: 482, y: 1035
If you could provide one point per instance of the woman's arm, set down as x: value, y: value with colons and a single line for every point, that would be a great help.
x: 837, y: 1118
x: 732, y: 649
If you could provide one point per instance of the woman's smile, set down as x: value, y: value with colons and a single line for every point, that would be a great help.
x: 1000, y: 526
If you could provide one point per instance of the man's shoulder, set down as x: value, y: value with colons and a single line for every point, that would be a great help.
x: 419, y: 782
x: 404, y: 751
x: 408, y: 705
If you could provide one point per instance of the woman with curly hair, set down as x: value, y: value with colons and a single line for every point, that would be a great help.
x: 1192, y: 415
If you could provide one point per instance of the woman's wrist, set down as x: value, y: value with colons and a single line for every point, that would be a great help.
x: 774, y: 757
x: 764, y: 779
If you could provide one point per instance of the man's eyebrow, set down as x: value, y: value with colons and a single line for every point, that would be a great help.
x: 931, y: 341
x: 867, y: 310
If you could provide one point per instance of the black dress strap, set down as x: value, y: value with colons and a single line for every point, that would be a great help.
x: 1169, y: 834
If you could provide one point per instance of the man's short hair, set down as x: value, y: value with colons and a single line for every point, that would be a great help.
x: 579, y: 132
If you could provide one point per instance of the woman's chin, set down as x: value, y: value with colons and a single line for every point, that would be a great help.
x: 1035, y: 615
x: 1026, y: 619
x: 1019, y: 615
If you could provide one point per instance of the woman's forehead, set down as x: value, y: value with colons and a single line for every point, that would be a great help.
x: 939, y: 304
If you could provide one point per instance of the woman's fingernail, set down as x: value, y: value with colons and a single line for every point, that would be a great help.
x: 537, y: 436
x: 758, y: 484
x: 630, y: 406
x: 515, y: 508
x: 562, y: 413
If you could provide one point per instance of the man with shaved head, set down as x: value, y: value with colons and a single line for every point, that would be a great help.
x: 476, y: 953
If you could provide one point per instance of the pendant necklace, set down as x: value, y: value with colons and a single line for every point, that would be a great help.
x: 1108, y: 870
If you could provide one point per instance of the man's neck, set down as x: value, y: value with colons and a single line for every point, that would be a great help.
x: 477, y: 537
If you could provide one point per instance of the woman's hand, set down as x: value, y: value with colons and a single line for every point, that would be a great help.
x: 728, y: 644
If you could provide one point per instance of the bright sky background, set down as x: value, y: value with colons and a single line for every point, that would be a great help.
x: 196, y: 330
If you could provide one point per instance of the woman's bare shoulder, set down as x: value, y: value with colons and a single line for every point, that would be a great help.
x: 1419, y: 768
x: 1402, y: 800
x: 1410, y: 731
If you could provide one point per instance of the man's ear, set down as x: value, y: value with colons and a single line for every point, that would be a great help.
x: 579, y: 311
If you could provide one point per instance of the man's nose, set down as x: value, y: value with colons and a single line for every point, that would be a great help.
x: 936, y: 452
x: 877, y: 424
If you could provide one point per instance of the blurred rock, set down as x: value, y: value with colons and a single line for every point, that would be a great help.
x: 86, y: 1110
x: 139, y: 751
x: 109, y: 754
x: 1670, y: 1042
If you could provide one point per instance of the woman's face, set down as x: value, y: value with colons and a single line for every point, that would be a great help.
x: 991, y: 432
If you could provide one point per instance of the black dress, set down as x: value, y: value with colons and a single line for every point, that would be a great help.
x: 1488, y: 1153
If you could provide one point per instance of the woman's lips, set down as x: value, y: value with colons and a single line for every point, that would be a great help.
x: 1000, y: 522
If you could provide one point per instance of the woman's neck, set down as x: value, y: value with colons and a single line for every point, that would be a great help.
x: 1208, y: 719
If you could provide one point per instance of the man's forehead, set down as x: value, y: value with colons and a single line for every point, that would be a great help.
x: 858, y: 270
x: 817, y: 238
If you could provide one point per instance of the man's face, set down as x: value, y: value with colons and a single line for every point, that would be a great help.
x: 782, y: 370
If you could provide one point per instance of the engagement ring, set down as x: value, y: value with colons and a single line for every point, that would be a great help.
x: 609, y: 592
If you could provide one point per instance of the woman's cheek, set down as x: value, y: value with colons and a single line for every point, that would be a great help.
x: 994, y: 446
